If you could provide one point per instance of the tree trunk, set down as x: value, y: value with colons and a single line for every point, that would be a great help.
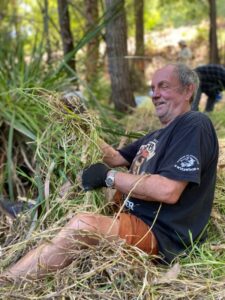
x: 213, y: 46
x: 66, y: 35
x: 116, y: 40
x: 46, y: 31
x: 91, y: 13
x: 5, y: 28
x: 15, y: 20
x: 138, y: 63
x: 139, y: 27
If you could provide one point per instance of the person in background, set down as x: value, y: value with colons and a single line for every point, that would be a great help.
x: 185, y: 54
x: 168, y: 189
x: 212, y: 83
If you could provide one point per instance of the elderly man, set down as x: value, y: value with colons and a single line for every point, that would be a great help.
x: 212, y: 83
x: 168, y: 189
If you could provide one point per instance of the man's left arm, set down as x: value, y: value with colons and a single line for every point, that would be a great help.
x: 150, y: 187
x: 146, y: 187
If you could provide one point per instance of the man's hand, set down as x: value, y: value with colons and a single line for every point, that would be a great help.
x: 94, y: 176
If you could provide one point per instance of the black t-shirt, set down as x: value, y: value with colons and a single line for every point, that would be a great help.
x: 186, y: 150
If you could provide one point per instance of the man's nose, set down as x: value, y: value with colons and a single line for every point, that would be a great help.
x: 155, y: 93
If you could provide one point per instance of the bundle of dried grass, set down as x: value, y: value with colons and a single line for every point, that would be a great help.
x: 67, y: 143
x: 115, y: 271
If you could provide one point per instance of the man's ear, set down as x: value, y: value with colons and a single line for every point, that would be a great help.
x: 190, y: 91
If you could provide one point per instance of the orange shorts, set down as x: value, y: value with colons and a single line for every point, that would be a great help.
x: 137, y: 233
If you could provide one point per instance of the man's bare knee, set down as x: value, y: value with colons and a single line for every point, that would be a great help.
x: 87, y: 228
x: 84, y: 221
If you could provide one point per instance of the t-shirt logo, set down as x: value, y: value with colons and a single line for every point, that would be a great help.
x: 129, y: 204
x: 145, y: 153
x: 187, y: 163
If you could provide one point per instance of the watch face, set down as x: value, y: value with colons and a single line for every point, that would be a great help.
x: 109, y: 181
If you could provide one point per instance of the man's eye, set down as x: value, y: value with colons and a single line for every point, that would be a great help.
x: 164, y: 86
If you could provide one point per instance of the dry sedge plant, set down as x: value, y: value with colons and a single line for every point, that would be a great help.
x: 109, y: 270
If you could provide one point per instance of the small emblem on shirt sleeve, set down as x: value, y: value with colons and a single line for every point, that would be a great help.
x: 187, y: 163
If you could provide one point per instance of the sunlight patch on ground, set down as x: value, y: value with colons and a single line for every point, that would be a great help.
x: 171, y: 36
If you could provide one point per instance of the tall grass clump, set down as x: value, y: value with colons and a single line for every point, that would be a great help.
x: 46, y: 139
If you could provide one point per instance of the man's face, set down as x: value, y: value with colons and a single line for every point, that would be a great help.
x: 168, y: 96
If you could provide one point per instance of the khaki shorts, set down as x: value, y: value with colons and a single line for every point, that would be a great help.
x: 137, y: 233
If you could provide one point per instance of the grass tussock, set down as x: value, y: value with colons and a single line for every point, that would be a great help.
x: 66, y: 141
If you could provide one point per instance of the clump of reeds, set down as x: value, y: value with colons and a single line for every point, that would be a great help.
x: 65, y: 142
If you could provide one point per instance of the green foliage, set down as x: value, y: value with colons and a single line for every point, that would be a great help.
x: 218, y: 119
x: 98, y: 90
x: 161, y: 13
x: 220, y: 8
x: 77, y: 18
x: 202, y: 34
x: 152, y: 15
x: 23, y: 69
x: 38, y: 126
x: 192, y: 12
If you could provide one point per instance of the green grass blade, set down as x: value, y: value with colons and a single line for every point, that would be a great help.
x: 9, y: 159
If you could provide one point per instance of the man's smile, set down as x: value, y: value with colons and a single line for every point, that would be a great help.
x: 159, y: 103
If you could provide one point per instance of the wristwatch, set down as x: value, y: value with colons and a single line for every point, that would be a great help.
x: 110, y: 179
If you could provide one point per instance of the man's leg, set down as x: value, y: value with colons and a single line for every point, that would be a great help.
x: 82, y: 231
x: 210, y: 103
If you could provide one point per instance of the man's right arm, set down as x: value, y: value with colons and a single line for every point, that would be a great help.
x: 112, y: 157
